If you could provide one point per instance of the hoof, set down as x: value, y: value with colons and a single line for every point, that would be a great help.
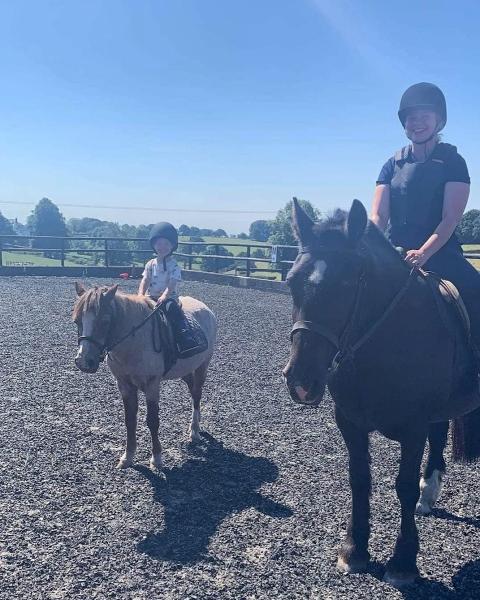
x: 194, y: 437
x: 400, y: 580
x: 423, y: 509
x: 348, y: 568
x: 156, y: 463
x: 124, y: 462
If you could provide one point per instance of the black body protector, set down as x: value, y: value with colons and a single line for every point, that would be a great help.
x: 416, y: 197
x: 416, y: 209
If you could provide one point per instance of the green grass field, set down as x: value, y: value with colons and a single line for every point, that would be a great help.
x: 30, y: 259
x: 473, y: 248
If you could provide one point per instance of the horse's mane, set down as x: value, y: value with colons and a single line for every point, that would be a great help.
x: 131, y: 305
x: 373, y: 239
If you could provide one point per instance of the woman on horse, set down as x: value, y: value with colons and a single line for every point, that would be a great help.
x: 422, y: 192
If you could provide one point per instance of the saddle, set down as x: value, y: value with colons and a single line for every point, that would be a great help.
x: 448, y: 297
x: 166, y: 331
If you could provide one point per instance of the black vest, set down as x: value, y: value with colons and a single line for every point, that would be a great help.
x: 416, y: 197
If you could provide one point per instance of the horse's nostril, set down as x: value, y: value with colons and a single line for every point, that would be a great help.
x: 90, y: 363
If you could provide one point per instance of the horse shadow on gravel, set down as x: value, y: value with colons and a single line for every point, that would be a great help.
x: 465, y: 583
x: 213, y: 483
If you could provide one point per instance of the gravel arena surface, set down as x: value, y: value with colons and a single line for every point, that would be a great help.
x: 257, y: 510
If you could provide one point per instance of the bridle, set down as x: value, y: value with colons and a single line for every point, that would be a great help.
x: 105, y: 348
x: 343, y: 343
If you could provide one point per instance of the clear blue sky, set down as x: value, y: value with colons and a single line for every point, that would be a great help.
x: 220, y: 104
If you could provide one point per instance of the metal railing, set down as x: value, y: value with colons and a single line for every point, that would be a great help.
x: 276, y: 259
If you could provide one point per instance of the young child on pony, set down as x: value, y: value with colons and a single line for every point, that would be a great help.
x: 160, y: 280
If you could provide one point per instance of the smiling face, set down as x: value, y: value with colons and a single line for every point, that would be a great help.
x: 420, y: 125
x: 162, y: 247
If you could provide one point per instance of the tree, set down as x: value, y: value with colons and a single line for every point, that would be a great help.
x: 258, y: 253
x: 112, y: 230
x: 282, y: 230
x: 260, y: 230
x: 46, y: 219
x: 468, y: 229
x: 214, y: 264
x: 242, y: 236
x: 6, y: 228
x: 184, y: 230
x: 220, y: 233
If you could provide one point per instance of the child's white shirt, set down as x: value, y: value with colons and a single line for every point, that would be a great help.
x: 158, y: 278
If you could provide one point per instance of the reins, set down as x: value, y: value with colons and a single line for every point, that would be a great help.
x: 343, y: 343
x: 106, y: 348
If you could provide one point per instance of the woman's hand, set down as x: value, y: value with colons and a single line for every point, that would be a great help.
x: 416, y: 258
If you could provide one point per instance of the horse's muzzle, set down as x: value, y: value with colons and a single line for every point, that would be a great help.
x: 309, y: 395
x: 88, y: 365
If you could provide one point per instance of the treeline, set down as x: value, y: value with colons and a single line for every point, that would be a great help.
x: 47, y: 220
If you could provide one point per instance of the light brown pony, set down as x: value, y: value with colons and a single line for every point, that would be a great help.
x: 103, y: 317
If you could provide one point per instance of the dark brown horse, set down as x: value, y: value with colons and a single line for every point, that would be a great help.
x: 371, y: 328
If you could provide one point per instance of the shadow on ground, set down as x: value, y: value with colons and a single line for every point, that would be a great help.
x: 213, y: 483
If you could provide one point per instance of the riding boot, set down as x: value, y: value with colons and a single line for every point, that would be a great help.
x: 187, y: 342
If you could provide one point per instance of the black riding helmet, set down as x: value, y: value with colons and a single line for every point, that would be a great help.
x: 164, y: 230
x: 423, y: 95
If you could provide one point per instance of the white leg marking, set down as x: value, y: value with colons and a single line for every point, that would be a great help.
x: 429, y: 492
x: 347, y: 568
x: 156, y: 462
x: 195, y: 426
x: 318, y: 271
x: 126, y: 460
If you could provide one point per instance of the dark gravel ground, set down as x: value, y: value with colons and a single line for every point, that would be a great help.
x: 256, y: 511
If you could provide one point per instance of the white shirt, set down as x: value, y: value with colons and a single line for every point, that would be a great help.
x: 158, y: 279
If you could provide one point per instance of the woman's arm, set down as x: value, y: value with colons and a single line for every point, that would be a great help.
x: 454, y: 203
x: 381, y: 206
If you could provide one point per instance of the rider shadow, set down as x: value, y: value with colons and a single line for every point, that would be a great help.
x: 441, y: 513
x: 200, y: 493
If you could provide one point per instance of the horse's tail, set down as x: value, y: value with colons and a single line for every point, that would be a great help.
x: 466, y: 437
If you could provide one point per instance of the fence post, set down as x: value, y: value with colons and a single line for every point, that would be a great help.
x: 62, y: 255
x: 106, y: 253
x: 248, y: 262
x: 1, y: 249
x: 216, y: 259
x: 190, y: 259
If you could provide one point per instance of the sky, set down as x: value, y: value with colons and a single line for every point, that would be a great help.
x: 138, y: 111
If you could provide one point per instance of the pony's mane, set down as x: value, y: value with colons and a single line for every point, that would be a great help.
x: 126, y: 303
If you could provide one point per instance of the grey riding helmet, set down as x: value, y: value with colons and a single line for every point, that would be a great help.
x: 164, y: 230
x: 423, y: 95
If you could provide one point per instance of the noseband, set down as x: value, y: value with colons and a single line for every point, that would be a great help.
x: 342, y: 344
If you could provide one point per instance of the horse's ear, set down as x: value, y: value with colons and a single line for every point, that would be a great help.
x: 302, y: 224
x: 80, y: 288
x: 110, y: 293
x: 356, y: 222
